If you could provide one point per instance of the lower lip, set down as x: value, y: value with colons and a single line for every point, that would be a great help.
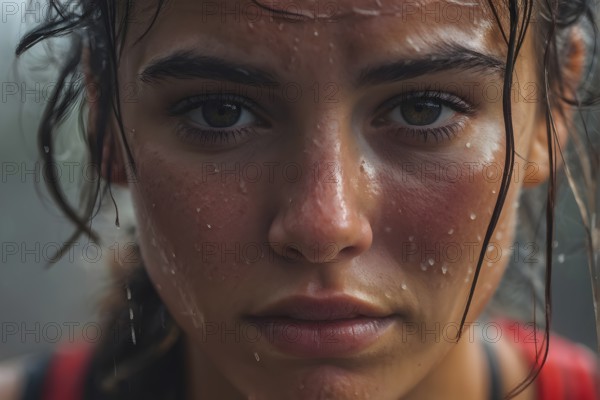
x: 331, y: 338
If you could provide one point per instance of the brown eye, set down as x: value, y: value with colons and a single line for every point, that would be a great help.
x: 421, y: 112
x: 221, y: 114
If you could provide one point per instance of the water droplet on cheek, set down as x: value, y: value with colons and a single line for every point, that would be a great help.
x: 209, y: 226
x: 444, y: 269
x: 472, y: 216
x: 243, y: 187
x: 388, y: 229
x: 316, y: 33
x: 431, y: 261
x: 468, y: 145
x: 403, y: 286
x: 451, y: 231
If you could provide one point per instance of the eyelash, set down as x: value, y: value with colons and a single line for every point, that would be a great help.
x: 446, y: 132
x: 214, y: 136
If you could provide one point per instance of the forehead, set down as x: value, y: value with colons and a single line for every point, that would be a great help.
x: 350, y: 30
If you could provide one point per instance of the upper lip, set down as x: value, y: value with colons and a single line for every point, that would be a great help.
x: 322, y: 308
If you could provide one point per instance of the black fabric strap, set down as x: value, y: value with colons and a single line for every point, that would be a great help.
x: 35, y: 373
x: 494, y: 372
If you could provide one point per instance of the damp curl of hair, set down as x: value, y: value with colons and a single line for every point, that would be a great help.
x: 151, y: 366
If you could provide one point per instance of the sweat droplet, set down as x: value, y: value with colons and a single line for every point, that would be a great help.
x: 431, y: 261
x: 256, y: 357
x: 451, y: 231
x: 208, y: 226
x: 444, y: 269
x: 388, y: 229
x: 403, y: 286
x: 198, y: 209
x: 472, y: 216
x: 243, y: 187
x: 468, y: 145
x: 561, y: 258
x: 411, y: 238
x: 423, y: 267
x: 316, y: 33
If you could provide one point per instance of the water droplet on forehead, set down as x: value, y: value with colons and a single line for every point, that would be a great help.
x: 444, y: 269
x: 472, y: 216
x: 316, y: 32
x: 423, y: 266
x: 209, y: 226
x: 403, y: 286
x: 468, y: 145
x: 451, y: 231
x: 431, y: 261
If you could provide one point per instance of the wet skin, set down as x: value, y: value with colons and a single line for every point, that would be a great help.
x: 324, y: 187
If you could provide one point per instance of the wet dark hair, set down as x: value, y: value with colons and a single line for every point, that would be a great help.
x: 151, y: 364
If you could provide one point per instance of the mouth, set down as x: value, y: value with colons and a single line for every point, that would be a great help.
x: 334, y: 326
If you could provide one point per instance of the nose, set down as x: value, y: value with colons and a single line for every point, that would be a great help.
x: 322, y: 217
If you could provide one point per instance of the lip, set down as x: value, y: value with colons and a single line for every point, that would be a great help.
x: 333, y: 326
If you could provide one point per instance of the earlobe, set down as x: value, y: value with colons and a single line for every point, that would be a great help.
x: 112, y: 166
x: 561, y: 112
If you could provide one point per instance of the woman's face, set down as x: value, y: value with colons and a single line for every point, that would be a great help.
x: 312, y: 196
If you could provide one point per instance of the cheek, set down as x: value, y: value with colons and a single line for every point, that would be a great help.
x: 192, y: 224
x: 437, y: 215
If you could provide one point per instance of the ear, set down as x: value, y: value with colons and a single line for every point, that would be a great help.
x: 562, y: 113
x: 112, y: 158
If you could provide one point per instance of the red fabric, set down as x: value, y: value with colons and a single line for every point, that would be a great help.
x: 570, y: 372
x: 66, y: 374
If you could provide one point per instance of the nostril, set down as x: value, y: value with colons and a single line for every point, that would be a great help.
x: 292, y: 253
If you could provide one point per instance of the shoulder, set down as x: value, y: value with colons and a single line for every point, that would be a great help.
x: 12, y: 378
x: 57, y: 375
x: 570, y: 370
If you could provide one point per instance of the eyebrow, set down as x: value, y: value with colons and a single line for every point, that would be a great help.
x: 188, y: 64
x: 445, y: 58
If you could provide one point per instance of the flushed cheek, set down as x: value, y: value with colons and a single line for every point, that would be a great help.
x: 191, y: 227
x: 439, y: 214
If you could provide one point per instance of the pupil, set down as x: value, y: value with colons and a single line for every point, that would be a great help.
x: 421, y: 112
x: 221, y: 115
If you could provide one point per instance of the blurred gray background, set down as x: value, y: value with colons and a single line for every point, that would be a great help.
x: 40, y: 308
